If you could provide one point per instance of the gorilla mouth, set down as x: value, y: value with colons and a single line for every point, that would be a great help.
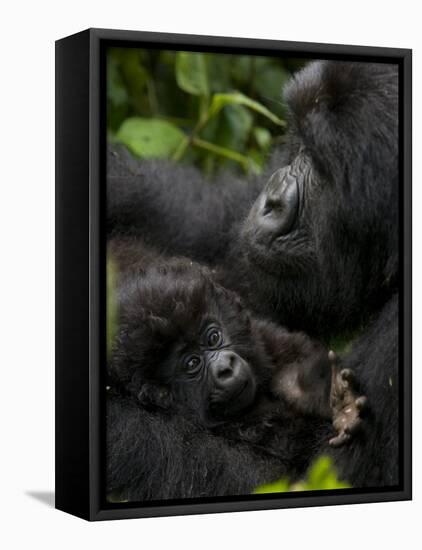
x: 239, y: 392
x: 222, y: 399
x: 235, y: 402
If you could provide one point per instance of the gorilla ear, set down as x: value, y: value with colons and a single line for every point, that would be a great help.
x: 154, y: 396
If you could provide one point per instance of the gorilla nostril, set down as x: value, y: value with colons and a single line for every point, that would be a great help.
x: 272, y: 203
x: 225, y: 372
x: 225, y: 367
x: 279, y: 202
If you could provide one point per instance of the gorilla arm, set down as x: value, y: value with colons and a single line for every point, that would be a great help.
x: 156, y: 456
x: 373, y: 459
x: 312, y: 381
x: 173, y: 207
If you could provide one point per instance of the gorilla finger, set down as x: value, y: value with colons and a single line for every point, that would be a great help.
x: 361, y: 403
x: 332, y: 356
x: 339, y: 440
x: 347, y: 375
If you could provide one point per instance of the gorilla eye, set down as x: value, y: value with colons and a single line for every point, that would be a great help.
x: 214, y: 337
x: 192, y: 363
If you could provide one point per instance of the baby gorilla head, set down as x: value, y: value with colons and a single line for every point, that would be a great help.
x: 185, y: 342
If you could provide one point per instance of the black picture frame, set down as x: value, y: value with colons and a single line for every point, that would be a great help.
x: 80, y: 271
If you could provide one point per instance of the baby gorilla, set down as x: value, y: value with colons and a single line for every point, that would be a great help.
x: 187, y: 344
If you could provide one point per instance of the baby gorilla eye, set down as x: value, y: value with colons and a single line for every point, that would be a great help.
x: 192, y: 363
x: 214, y: 337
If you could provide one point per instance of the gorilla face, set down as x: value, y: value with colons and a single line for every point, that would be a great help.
x: 184, y: 342
x: 322, y: 237
x: 211, y: 376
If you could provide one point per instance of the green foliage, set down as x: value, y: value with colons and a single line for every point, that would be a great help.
x: 191, y: 73
x: 343, y: 343
x: 150, y: 137
x: 213, y: 110
x: 321, y: 476
x: 262, y: 137
x: 221, y: 100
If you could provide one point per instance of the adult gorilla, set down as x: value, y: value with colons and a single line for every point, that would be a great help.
x: 319, y: 248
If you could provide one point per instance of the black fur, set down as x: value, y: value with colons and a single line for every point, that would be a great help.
x: 336, y: 270
x: 151, y: 456
x: 165, y: 311
x: 339, y: 263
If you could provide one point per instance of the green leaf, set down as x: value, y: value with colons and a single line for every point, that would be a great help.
x: 241, y: 69
x: 218, y: 71
x: 270, y: 81
x: 236, y: 98
x: 191, y: 73
x: 281, y: 486
x: 234, y: 128
x: 262, y: 137
x: 222, y: 151
x: 149, y: 137
x: 321, y: 476
x: 320, y: 471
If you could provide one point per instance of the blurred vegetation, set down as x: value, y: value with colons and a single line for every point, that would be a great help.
x: 212, y: 110
x: 321, y: 476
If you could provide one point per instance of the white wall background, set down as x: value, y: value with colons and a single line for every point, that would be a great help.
x: 27, y: 36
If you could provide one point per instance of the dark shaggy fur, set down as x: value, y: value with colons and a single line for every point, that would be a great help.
x: 153, y: 456
x: 333, y: 268
x: 272, y: 407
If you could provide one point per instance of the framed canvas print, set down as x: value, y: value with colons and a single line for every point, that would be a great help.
x: 233, y: 274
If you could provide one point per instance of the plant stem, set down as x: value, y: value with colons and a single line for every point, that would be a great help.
x: 216, y: 149
x: 181, y: 150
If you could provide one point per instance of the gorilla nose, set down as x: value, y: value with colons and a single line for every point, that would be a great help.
x: 279, y: 202
x: 225, y: 368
